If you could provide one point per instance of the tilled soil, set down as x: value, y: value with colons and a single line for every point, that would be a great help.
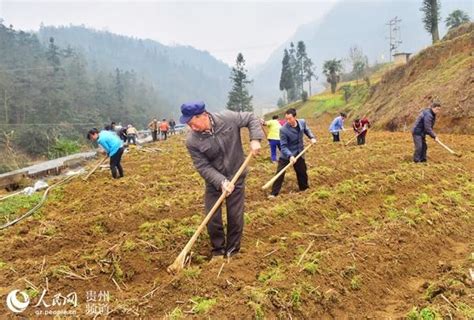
x: 385, y: 236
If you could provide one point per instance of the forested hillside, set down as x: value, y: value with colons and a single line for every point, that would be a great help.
x: 50, y: 96
x: 393, y: 96
x: 180, y: 73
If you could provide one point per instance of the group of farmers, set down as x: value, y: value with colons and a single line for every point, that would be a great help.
x: 215, y: 146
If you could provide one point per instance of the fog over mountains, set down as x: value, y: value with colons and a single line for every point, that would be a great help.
x: 183, y: 73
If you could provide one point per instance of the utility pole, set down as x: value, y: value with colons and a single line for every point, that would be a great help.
x: 394, y: 35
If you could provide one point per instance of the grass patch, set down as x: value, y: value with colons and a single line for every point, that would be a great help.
x: 352, y: 188
x: 424, y: 314
x: 283, y: 210
x: 257, y: 298
x: 311, y: 267
x: 356, y: 282
x: 454, y: 197
x: 97, y: 229
x: 187, y: 231
x: 296, y: 235
x: 202, y: 305
x: 192, y: 272
x: 176, y: 314
x: 271, y: 274
x: 32, y: 293
x: 18, y: 204
x: 129, y: 245
x: 295, y: 298
x: 322, y: 194
x: 422, y: 199
x: 432, y: 291
x: 118, y: 272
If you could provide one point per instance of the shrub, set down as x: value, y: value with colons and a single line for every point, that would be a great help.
x: 63, y: 147
x: 304, y: 96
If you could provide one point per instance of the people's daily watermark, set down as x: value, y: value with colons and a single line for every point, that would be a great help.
x: 58, y: 300
x: 14, y: 304
x: 97, y: 303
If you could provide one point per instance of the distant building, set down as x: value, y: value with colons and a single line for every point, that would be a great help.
x: 401, y: 57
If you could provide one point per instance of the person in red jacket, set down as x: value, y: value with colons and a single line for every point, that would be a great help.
x: 360, y: 127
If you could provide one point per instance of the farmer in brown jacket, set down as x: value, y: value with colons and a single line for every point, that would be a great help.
x: 154, y: 126
x: 216, y: 149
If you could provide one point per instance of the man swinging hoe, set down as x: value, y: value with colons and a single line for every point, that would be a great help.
x: 215, y: 146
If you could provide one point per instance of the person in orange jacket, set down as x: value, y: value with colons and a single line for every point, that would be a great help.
x: 164, y: 128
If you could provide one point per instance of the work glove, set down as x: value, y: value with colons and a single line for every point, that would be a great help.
x: 292, y: 160
x: 313, y: 140
x: 255, y: 147
x: 227, y: 187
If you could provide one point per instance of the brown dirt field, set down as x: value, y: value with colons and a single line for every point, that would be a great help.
x: 389, y: 235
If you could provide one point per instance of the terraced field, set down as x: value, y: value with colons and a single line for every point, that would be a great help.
x: 375, y: 236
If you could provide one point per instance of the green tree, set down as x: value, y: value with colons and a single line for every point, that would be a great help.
x: 431, y: 11
x: 239, y: 97
x: 332, y: 70
x: 293, y: 92
x: 301, y: 57
x: 304, y: 96
x: 308, y: 69
x: 53, y: 54
x: 456, y: 18
x: 286, y: 78
x: 359, y: 62
x: 280, y: 102
x: 347, y: 89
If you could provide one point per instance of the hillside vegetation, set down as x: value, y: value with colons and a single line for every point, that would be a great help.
x: 347, y: 23
x: 396, y: 94
x: 179, y: 73
x: 50, y: 96
x: 444, y: 70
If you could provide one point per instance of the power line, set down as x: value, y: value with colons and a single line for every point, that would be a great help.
x: 395, y: 38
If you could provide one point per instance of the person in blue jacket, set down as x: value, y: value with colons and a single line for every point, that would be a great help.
x: 291, y: 141
x: 112, y: 145
x: 336, y: 126
x: 424, y: 126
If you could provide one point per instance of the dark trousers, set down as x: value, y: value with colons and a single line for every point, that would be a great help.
x: 274, y: 144
x: 154, y: 135
x: 132, y: 139
x: 420, y: 148
x: 335, y: 136
x: 164, y: 134
x: 301, y: 175
x: 115, y: 164
x: 235, y: 220
x: 361, y: 138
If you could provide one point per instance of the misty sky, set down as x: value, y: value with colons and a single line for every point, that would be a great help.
x: 223, y: 28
